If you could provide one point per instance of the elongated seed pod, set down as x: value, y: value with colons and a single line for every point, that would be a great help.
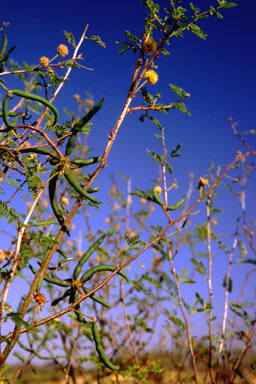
x: 79, y: 126
x: 53, y: 280
x: 72, y: 298
x: 156, y: 196
x: 101, y: 268
x: 86, y: 256
x: 11, y: 114
x: 71, y: 178
x: 5, y: 113
x: 96, y: 298
x: 70, y: 144
x: 40, y: 151
x: 84, y: 162
x: 4, y: 46
x: 176, y: 206
x: 65, y: 294
x: 39, y: 99
x: 93, y: 190
x: 100, y: 350
x: 52, y: 188
x: 81, y: 123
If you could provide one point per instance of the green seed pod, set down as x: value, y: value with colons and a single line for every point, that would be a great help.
x: 93, y: 190
x: 66, y: 294
x: 79, y: 163
x: 100, y: 350
x: 156, y: 196
x: 96, y: 298
x: 41, y: 151
x: 54, y: 161
x: 4, y: 46
x: 101, y: 268
x: 73, y: 181
x: 5, y: 113
x: 72, y: 298
x: 39, y: 99
x: 86, y: 256
x: 53, y: 280
x: 52, y: 188
x: 176, y: 206
x: 81, y: 123
x: 70, y: 144
x: 11, y: 114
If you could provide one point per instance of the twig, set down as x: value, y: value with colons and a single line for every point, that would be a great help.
x: 69, y: 69
x: 224, y: 320
x: 21, y: 231
x: 179, y: 298
x: 209, y: 280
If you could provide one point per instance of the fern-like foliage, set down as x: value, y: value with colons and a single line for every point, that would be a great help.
x: 8, y: 213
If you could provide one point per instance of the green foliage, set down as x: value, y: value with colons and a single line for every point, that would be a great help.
x: 8, y: 213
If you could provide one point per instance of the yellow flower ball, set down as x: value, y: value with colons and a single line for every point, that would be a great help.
x: 62, y: 50
x: 151, y: 77
x: 2, y: 255
x: 89, y: 102
x: 158, y: 189
x: 202, y: 182
x: 64, y: 200
x: 149, y: 46
x: 44, y: 61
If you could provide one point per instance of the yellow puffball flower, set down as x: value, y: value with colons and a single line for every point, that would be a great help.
x: 2, y: 255
x: 89, y: 102
x: 158, y: 189
x: 44, y: 61
x: 117, y: 207
x: 202, y: 182
x: 151, y: 77
x: 62, y: 50
x: 64, y: 200
x: 149, y: 46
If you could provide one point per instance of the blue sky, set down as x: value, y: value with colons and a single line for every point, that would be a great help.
x: 219, y: 73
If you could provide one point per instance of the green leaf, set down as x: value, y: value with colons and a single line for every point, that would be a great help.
x: 133, y: 38
x: 187, y: 281
x: 19, y: 356
x: 175, y: 320
x: 182, y: 108
x: 176, y: 151
x: 195, y: 9
x: 156, y: 157
x: 179, y: 91
x: 197, y: 31
x: 242, y: 249
x: 15, y: 317
x: 97, y: 40
x: 126, y: 47
x: 151, y: 281
x: 70, y: 38
x: 247, y: 261
x: 199, y: 266
x: 8, y: 213
x: 156, y: 122
x: 225, y: 4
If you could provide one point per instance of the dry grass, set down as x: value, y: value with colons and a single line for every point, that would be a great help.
x: 50, y: 375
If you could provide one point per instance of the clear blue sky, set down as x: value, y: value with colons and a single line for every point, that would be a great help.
x: 219, y: 73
